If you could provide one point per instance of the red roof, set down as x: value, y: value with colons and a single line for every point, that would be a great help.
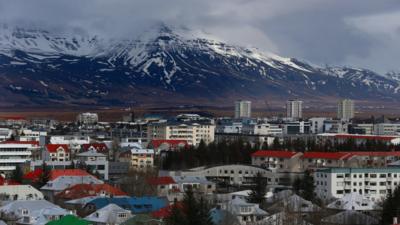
x: 274, y: 153
x: 327, y: 155
x: 172, y: 143
x: 35, y: 143
x: 12, y: 118
x: 368, y: 137
x: 100, y: 147
x: 53, y: 147
x: 166, y: 211
x: 86, y: 190
x: 54, y: 174
x: 378, y: 154
x: 161, y: 181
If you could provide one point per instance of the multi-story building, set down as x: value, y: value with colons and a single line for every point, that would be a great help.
x: 74, y: 142
x: 30, y: 135
x: 317, y: 124
x: 262, y: 129
x: 345, y: 109
x: 57, y: 152
x: 87, y: 118
x: 5, y: 134
x: 277, y: 161
x: 242, y: 109
x: 294, y: 109
x: 373, y: 183
x: 191, y: 131
x: 296, y: 127
x: 94, y: 161
x: 387, y: 129
x: 15, y: 153
x: 138, y: 158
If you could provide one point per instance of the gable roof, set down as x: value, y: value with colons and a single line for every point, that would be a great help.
x: 134, y: 204
x: 109, y: 215
x: 53, y: 147
x: 161, y: 180
x: 100, y: 147
x: 85, y: 190
x: 376, y: 154
x: 327, y: 155
x: 171, y: 143
x: 354, y: 217
x: 274, y: 153
x: 353, y: 201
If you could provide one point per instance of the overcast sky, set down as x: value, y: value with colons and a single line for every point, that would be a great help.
x: 362, y: 33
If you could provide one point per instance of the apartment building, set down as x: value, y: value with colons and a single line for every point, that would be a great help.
x: 277, y: 161
x: 191, y: 131
x: 15, y: 153
x: 138, y: 158
x: 57, y: 152
x: 242, y: 109
x: 373, y: 183
x: 294, y: 109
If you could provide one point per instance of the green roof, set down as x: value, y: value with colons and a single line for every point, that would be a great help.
x: 69, y: 220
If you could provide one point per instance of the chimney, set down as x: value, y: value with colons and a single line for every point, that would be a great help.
x: 395, y: 220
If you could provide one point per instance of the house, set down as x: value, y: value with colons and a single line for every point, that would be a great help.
x: 284, y: 218
x: 94, y: 161
x: 57, y: 152
x: 168, y: 145
x: 139, y: 158
x: 19, y: 192
x: 375, y: 158
x: 277, y: 161
x: 372, y: 183
x: 98, y: 147
x: 312, y: 160
x: 354, y: 201
x: 137, y: 205
x: 350, y: 217
x: 32, y: 212
x: 110, y: 214
x: 69, y: 219
x: 243, y: 211
x: 57, y: 185
x: 34, y: 175
x: 294, y: 204
x: 79, y: 191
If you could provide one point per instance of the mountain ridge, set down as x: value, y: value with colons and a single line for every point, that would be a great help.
x: 168, y: 66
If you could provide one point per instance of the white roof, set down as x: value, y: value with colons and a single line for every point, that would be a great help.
x: 295, y: 203
x: 353, y: 201
x: 283, y: 218
x: 234, y: 206
x: 23, y: 192
x: 91, y: 153
x: 63, y: 182
x: 39, y: 210
x: 109, y: 215
x: 142, y: 151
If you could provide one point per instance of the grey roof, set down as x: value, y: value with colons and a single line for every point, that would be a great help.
x: 351, y: 217
x: 191, y: 179
x: 283, y: 218
x: 91, y: 153
x: 109, y: 215
x: 234, y: 207
x: 353, y: 201
x: 295, y: 203
x: 39, y: 210
x: 63, y: 182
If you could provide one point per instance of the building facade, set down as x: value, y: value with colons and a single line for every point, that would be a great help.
x: 242, y: 109
x: 294, y: 109
x: 345, y: 109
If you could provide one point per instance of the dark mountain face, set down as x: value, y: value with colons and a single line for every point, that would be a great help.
x: 41, y: 69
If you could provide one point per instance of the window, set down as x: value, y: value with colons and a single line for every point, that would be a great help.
x: 339, y: 192
x: 339, y: 175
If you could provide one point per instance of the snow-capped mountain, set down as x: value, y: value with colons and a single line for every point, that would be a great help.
x: 164, y: 66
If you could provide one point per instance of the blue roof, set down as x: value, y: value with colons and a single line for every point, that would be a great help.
x: 134, y: 204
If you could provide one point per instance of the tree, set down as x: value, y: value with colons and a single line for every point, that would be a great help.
x: 308, y: 186
x: 276, y: 143
x: 391, y: 207
x: 17, y: 174
x: 44, y: 176
x: 258, y: 190
x: 176, y: 217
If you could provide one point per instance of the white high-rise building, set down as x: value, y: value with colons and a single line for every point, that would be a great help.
x: 88, y: 118
x: 345, y: 109
x: 242, y: 109
x: 294, y: 109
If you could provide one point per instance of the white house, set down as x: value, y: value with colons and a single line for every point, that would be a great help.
x: 19, y: 192
x: 110, y: 214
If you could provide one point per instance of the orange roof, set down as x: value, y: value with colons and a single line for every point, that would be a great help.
x: 274, y: 153
x: 53, y: 147
x: 327, y: 155
x: 86, y: 190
